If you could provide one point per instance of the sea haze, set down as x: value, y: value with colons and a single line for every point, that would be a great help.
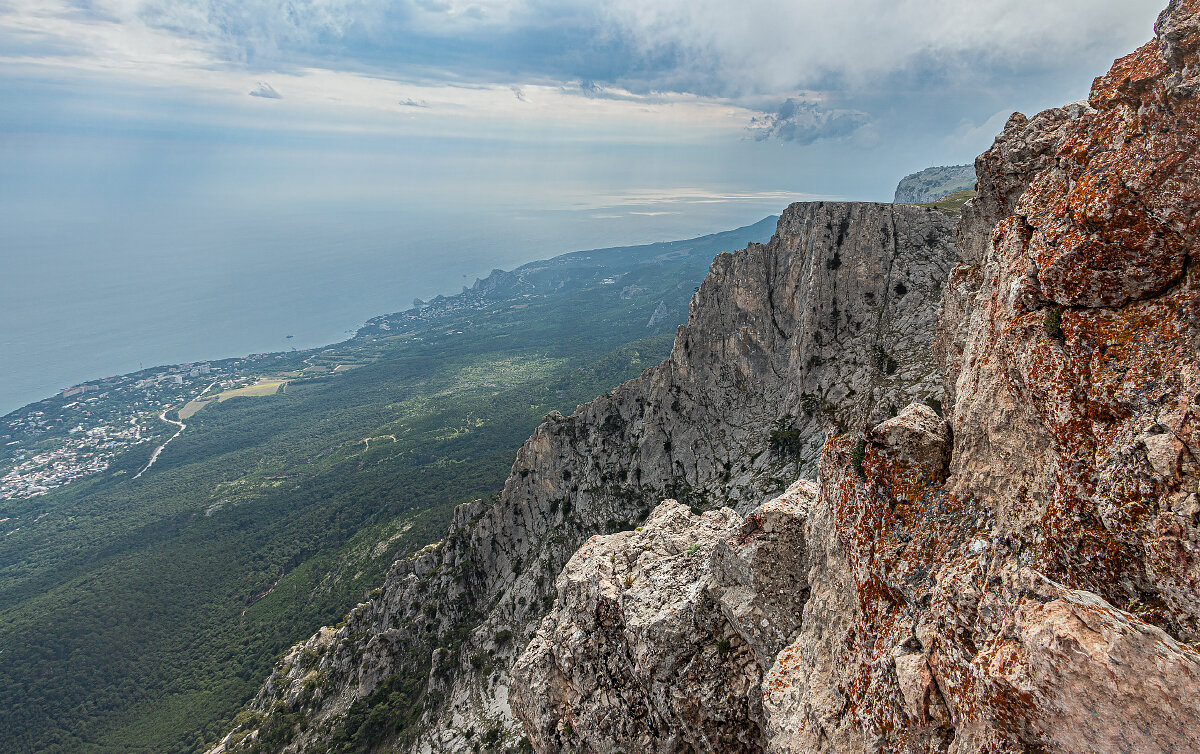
x: 93, y: 293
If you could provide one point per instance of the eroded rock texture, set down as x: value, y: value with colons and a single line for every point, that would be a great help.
x: 1022, y: 574
x: 830, y: 323
x: 660, y: 637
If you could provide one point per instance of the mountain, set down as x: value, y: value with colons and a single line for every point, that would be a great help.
x: 932, y: 184
x: 830, y: 323
x: 997, y: 552
x: 139, y: 615
x: 1018, y: 575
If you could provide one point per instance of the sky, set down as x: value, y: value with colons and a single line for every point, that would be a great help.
x: 491, y: 131
x: 571, y: 104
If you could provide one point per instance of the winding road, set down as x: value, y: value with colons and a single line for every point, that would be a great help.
x: 159, y: 449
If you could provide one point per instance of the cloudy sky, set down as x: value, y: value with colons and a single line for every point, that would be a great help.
x: 570, y: 102
x: 161, y: 161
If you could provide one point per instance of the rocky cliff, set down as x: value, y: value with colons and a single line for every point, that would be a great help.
x: 1021, y: 575
x: 828, y: 325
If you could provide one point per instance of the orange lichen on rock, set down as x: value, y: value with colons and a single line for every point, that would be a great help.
x: 1028, y: 578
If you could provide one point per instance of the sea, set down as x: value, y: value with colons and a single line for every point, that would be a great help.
x: 88, y: 295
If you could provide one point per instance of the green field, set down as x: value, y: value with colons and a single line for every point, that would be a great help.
x: 953, y: 203
x: 139, y: 616
x: 266, y: 387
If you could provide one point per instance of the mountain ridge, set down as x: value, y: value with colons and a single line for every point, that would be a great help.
x: 998, y: 552
x: 1018, y: 575
x: 838, y: 307
x: 931, y: 184
x: 140, y: 616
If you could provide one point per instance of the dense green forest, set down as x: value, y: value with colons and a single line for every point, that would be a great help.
x: 140, y: 615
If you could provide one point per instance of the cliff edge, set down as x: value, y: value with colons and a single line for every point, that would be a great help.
x: 828, y: 325
x: 1020, y: 575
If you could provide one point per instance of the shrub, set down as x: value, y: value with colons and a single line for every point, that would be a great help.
x: 809, y: 403
x: 1054, y: 324
x: 785, y: 440
x: 857, y: 455
x: 246, y: 718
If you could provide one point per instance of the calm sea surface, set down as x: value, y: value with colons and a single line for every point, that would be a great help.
x: 87, y: 297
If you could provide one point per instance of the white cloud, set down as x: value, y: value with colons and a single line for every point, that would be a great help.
x: 738, y: 48
x: 119, y: 53
x: 707, y: 67
x: 976, y: 136
x: 649, y: 198
x: 266, y: 91
x: 767, y: 46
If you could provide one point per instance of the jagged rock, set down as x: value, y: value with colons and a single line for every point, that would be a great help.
x: 660, y: 314
x: 1040, y: 590
x: 660, y: 637
x: 1022, y: 575
x: 635, y: 654
x: 760, y: 575
x: 828, y: 324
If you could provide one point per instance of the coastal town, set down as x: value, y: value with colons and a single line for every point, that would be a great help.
x: 83, y: 429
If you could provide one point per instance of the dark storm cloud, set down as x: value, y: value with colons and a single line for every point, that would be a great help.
x: 804, y: 122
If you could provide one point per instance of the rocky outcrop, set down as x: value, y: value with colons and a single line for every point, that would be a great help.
x: 932, y: 184
x: 1023, y: 574
x: 616, y: 665
x: 827, y: 325
x: 1018, y: 574
x: 660, y: 638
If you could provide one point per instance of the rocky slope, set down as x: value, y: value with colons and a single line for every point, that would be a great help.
x: 661, y: 638
x: 828, y: 325
x: 1019, y: 576
x: 931, y: 184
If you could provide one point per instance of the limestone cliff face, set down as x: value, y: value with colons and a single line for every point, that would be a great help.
x: 661, y: 638
x: 828, y: 325
x: 1022, y: 575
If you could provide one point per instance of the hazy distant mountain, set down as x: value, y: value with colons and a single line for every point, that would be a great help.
x: 933, y: 183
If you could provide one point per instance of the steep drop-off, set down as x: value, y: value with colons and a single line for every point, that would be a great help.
x: 828, y: 325
x: 1022, y: 575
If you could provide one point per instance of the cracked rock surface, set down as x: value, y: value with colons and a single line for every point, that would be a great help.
x: 660, y: 637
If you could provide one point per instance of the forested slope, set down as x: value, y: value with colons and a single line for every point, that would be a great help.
x: 140, y: 615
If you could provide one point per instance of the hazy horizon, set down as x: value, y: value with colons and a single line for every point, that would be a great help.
x: 210, y: 300
x: 177, y: 172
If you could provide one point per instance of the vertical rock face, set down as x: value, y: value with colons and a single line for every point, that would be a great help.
x: 1038, y: 591
x: 1023, y: 575
x: 828, y: 325
x: 1080, y: 346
